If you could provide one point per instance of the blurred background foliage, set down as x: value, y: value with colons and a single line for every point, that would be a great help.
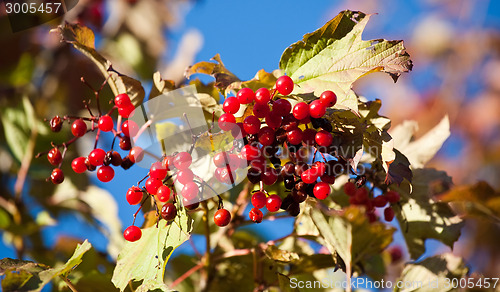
x: 454, y: 45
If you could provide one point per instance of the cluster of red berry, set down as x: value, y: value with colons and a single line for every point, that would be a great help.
x: 362, y: 197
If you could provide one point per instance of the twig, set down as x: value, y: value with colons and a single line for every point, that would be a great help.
x: 186, y: 274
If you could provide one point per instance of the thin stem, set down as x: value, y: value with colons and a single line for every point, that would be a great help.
x: 186, y: 274
x: 70, y: 285
x: 142, y: 129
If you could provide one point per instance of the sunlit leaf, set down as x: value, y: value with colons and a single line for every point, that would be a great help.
x: 223, y: 77
x: 334, y: 57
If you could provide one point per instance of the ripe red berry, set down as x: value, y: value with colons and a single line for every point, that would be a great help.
x: 163, y: 193
x: 392, y: 196
x: 301, y: 110
x: 251, y: 125
x: 259, y: 199
x: 190, y: 190
x: 273, y: 120
x: 273, y: 203
x: 158, y: 171
x: 294, y: 136
x: 261, y: 110
x: 284, y: 85
x: 132, y: 233
x: 266, y: 136
x: 231, y: 105
x: 125, y: 143
x: 168, y: 211
x: 105, y: 173
x: 134, y: 195
x: 328, y: 98
x: 282, y: 107
x: 136, y: 154
x: 309, y: 136
x: 350, y: 188
x: 54, y: 156
x: 227, y: 122
x: 221, y: 159
x: 130, y: 128
x: 126, y: 111
x: 329, y: 179
x: 245, y: 96
x: 256, y: 215
x: 96, y: 157
x: 152, y: 185
x: 122, y: 100
x: 269, y: 176
x: 323, y: 138
x: 57, y: 176
x: 78, y: 128
x: 185, y: 176
x: 78, y: 165
x: 250, y: 152
x: 56, y: 124
x: 388, y: 214
x: 321, y: 190
x: 361, y: 195
x: 222, y: 217
x: 105, y: 123
x: 309, y: 176
x: 379, y: 201
x: 182, y: 160
x: 262, y: 95
x: 317, y: 109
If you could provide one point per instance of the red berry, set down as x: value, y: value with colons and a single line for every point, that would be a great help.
x: 158, y: 171
x: 231, y: 105
x: 261, y: 110
x: 168, y: 211
x: 256, y: 215
x: 182, y: 160
x: 56, y: 124
x: 320, y: 167
x: 289, y: 122
x: 262, y: 95
x: 190, y: 190
x: 329, y: 179
x: 227, y: 122
x: 125, y: 143
x: 163, y: 193
x: 132, y: 233
x: 122, y: 100
x: 226, y: 176
x: 321, y: 190
x: 266, y: 136
x: 379, y: 201
x: 273, y: 203
x: 136, y: 154
x: 105, y: 173
x: 168, y: 161
x: 126, y: 111
x: 301, y: 110
x: 105, y: 123
x: 350, y: 188
x: 57, y: 176
x: 245, y: 95
x: 130, y: 128
x: 328, y: 98
x: 284, y: 85
x: 78, y: 128
x: 323, y: 138
x: 96, y: 157
x: 294, y: 136
x: 273, y: 120
x: 78, y: 165
x: 251, y: 125
x: 222, y: 217
x: 309, y: 136
x: 221, y: 159
x: 250, y: 152
x: 317, y: 109
x: 361, y: 195
x: 282, y: 107
x: 388, y: 214
x: 269, y: 176
x: 152, y: 185
x: 134, y: 195
x: 184, y: 176
x: 309, y: 176
x: 54, y: 156
x: 392, y: 196
x: 259, y: 199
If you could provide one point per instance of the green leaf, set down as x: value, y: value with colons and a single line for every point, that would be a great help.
x: 285, y: 284
x: 145, y: 259
x: 334, y: 57
x: 421, y: 217
x: 29, y: 276
x: 82, y: 38
x: 433, y: 273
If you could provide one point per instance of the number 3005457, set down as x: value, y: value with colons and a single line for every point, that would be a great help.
x: 32, y: 8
